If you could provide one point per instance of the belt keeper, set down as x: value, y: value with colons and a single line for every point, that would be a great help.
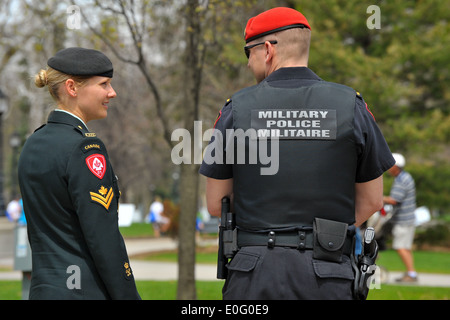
x: 302, y: 243
x: 271, y: 239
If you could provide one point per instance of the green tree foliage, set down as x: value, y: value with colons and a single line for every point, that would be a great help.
x: 402, y: 71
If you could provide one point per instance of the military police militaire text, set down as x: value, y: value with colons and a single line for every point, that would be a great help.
x: 266, y: 124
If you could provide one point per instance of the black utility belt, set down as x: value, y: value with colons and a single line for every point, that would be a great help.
x: 328, y: 239
x: 297, y: 240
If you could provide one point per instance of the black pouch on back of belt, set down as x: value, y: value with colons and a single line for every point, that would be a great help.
x: 329, y: 239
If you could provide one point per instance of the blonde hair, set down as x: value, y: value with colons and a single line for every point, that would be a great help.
x: 297, y: 42
x: 53, y: 79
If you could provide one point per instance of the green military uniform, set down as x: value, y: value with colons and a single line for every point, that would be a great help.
x: 71, y: 198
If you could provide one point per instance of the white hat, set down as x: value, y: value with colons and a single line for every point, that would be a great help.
x: 399, y: 160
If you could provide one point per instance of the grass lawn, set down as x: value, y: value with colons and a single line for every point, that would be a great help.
x: 137, y: 230
x: 407, y: 292
x: 424, y: 261
x: 211, y: 290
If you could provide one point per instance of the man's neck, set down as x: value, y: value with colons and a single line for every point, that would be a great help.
x: 286, y: 64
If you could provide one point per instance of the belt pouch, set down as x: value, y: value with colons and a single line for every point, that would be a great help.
x: 329, y: 239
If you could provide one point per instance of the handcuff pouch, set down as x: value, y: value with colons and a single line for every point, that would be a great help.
x: 329, y: 239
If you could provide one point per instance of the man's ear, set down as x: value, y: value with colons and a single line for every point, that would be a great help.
x: 269, y: 51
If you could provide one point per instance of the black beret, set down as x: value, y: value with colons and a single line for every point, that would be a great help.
x: 81, y: 62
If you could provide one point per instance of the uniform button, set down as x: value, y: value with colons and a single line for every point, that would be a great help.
x: 330, y: 244
x: 302, y: 236
x: 301, y: 245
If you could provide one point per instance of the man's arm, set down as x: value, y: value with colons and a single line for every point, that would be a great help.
x: 368, y: 199
x: 390, y: 200
x: 215, y: 191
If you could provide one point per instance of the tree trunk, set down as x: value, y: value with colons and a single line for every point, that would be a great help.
x: 186, y: 247
x: 189, y: 172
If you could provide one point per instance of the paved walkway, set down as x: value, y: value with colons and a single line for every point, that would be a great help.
x: 152, y: 270
x: 149, y: 270
x: 142, y: 270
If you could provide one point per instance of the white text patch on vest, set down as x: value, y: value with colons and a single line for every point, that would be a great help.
x: 309, y: 124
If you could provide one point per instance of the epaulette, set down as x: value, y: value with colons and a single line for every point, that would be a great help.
x: 365, y: 104
x: 359, y: 95
x: 84, y: 132
x: 220, y: 112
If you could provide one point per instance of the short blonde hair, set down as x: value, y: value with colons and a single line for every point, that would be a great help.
x: 53, y: 79
x: 292, y: 43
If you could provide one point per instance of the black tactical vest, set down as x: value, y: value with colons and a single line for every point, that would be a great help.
x: 317, y: 155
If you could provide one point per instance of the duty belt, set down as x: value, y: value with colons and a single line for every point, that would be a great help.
x: 301, y: 240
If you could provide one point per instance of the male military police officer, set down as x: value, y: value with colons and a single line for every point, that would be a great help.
x: 296, y: 226
x: 70, y: 192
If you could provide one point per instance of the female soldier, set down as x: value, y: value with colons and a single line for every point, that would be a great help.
x: 69, y: 188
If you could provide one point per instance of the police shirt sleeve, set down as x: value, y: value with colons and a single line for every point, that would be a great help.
x: 374, y: 155
x: 95, y: 194
x: 214, y: 163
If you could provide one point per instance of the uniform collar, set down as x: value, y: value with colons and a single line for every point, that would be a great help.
x: 293, y: 73
x: 62, y: 116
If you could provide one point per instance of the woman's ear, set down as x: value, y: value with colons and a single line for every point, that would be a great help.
x: 71, y: 87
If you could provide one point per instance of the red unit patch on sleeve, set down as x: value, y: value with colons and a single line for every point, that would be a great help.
x: 97, y: 164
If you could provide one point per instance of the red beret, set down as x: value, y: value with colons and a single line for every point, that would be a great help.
x: 274, y: 20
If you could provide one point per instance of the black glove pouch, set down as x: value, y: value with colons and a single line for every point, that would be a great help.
x: 329, y: 239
